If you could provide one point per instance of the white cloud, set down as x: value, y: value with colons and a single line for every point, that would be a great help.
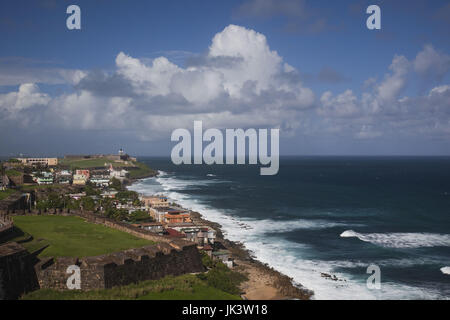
x: 439, y: 90
x: 394, y: 83
x: 343, y: 105
x: 431, y: 63
x: 239, y: 82
x: 227, y: 89
x: 232, y: 68
x: 28, y: 95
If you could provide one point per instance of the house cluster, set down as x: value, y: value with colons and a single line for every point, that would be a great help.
x: 175, y: 221
x: 80, y: 177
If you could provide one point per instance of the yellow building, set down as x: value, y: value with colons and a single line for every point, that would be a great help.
x: 79, y: 179
x: 41, y: 161
x: 155, y: 201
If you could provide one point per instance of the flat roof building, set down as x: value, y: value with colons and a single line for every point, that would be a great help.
x: 40, y: 161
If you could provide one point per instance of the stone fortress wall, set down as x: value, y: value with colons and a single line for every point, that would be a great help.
x: 167, y: 257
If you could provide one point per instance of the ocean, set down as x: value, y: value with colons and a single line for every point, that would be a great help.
x: 334, y: 215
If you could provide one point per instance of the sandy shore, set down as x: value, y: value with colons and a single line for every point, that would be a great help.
x: 264, y: 283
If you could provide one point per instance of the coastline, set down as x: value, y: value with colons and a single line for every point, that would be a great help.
x: 264, y: 282
x: 130, y: 181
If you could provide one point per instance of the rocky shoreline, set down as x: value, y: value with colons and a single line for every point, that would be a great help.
x: 130, y: 181
x: 265, y: 283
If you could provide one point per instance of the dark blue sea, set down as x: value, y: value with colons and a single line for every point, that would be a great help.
x: 334, y: 215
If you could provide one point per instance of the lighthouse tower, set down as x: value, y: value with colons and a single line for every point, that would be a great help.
x: 121, y: 153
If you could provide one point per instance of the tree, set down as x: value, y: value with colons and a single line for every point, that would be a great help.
x: 127, y: 195
x: 72, y: 204
x: 139, y: 215
x: 91, y: 191
x: 116, y: 184
x: 87, y: 203
x: 42, y: 205
x: 54, y: 201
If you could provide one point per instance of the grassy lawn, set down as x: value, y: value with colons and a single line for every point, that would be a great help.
x: 74, y: 237
x: 6, y: 193
x: 142, y: 171
x: 88, y: 163
x: 185, y: 287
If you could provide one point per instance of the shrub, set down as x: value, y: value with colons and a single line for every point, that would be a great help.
x: 223, y: 278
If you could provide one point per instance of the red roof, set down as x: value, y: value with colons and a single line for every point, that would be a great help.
x: 175, y: 233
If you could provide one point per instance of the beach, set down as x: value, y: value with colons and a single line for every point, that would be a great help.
x: 264, y: 282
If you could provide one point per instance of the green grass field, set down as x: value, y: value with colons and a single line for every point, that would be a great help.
x: 74, y: 237
x: 142, y: 171
x: 88, y: 163
x: 185, y: 287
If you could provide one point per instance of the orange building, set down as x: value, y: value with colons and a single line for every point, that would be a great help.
x: 177, y: 217
x: 83, y: 173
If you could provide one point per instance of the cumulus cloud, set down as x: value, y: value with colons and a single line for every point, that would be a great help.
x: 239, y: 82
x: 382, y: 110
x: 230, y: 70
x: 228, y: 78
x: 431, y: 63
x: 395, y: 82
x: 343, y: 105
x: 226, y: 87
x: 28, y: 95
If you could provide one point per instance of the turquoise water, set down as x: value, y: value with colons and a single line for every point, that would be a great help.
x: 335, y: 215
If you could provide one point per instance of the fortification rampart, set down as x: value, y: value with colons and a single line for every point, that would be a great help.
x: 6, y: 225
x: 167, y: 257
x: 120, y: 268
x: 17, y: 275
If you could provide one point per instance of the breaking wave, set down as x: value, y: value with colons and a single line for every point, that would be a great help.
x: 263, y: 238
x: 401, y: 240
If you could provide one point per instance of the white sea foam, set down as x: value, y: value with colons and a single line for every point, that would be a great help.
x: 445, y: 270
x: 401, y: 240
x: 286, y: 256
x: 401, y: 263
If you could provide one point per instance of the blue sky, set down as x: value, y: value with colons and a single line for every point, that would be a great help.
x: 347, y: 90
